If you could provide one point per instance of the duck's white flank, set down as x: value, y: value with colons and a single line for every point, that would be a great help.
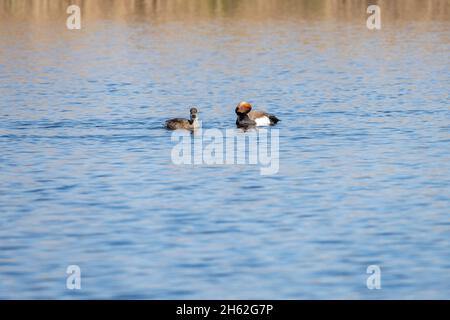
x: 262, y: 121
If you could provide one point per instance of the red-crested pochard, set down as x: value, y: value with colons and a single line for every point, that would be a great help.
x: 247, y: 117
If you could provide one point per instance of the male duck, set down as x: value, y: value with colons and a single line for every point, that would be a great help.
x: 246, y: 117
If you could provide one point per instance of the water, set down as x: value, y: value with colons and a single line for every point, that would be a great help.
x: 86, y: 176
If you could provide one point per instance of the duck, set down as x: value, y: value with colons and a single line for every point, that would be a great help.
x: 247, y: 118
x: 180, y: 123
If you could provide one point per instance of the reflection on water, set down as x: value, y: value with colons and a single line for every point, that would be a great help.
x: 85, y: 170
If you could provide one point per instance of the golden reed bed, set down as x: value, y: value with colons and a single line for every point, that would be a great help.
x: 166, y: 10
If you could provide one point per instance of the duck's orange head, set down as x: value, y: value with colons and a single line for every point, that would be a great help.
x: 243, y: 107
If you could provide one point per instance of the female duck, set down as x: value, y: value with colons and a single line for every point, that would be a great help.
x: 179, y: 123
x: 246, y: 117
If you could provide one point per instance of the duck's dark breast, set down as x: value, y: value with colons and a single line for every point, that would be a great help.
x: 244, y: 121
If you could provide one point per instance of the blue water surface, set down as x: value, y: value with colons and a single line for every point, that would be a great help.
x: 86, y: 176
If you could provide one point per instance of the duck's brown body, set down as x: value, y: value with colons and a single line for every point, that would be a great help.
x: 180, y: 123
x: 255, y: 115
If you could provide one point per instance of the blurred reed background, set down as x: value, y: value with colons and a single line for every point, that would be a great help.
x: 160, y: 10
